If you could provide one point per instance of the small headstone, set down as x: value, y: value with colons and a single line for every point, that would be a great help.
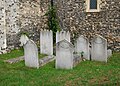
x: 99, y: 49
x: 31, y: 54
x: 64, y: 55
x: 82, y: 46
x: 109, y: 52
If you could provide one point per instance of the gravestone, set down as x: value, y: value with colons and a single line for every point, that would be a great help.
x: 30, y: 52
x: 23, y: 39
x: 64, y: 55
x: 109, y: 52
x: 99, y: 49
x: 82, y: 45
x: 46, y: 42
x: 62, y: 35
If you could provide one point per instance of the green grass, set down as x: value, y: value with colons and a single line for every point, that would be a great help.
x: 88, y: 73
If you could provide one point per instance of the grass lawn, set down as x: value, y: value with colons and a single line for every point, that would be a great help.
x: 86, y: 73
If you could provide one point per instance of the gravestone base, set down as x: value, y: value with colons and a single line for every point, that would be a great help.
x: 46, y: 60
x: 14, y: 60
x: 42, y: 61
x: 77, y: 59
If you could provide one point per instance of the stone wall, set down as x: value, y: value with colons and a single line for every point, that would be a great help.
x: 72, y: 16
x: 12, y: 21
x: 32, y: 17
x: 21, y: 15
x: 29, y: 16
x: 2, y: 26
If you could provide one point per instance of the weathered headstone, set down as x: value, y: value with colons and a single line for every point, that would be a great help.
x: 82, y: 46
x: 30, y: 52
x: 109, y: 52
x: 62, y: 35
x: 64, y: 55
x: 46, y: 42
x: 99, y: 49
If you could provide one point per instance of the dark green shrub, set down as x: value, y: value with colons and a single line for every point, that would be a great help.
x: 53, y: 21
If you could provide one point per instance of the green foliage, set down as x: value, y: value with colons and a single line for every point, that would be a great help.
x: 87, y: 73
x: 53, y: 21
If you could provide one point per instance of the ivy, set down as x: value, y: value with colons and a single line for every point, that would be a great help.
x: 53, y: 21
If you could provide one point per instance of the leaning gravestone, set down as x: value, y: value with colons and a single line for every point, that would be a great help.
x: 99, y: 49
x: 82, y: 45
x: 30, y: 52
x: 64, y: 55
x: 46, y: 42
x: 62, y: 35
x: 23, y: 39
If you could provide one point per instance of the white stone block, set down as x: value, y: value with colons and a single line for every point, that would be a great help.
x: 46, y: 42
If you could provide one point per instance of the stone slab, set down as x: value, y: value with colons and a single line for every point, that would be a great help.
x: 15, y: 60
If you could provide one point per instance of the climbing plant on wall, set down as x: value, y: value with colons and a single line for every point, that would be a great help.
x: 53, y: 21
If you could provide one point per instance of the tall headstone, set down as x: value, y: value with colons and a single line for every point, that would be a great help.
x: 46, y: 42
x: 82, y: 46
x: 99, y: 49
x: 30, y: 52
x: 62, y: 35
x: 64, y: 55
